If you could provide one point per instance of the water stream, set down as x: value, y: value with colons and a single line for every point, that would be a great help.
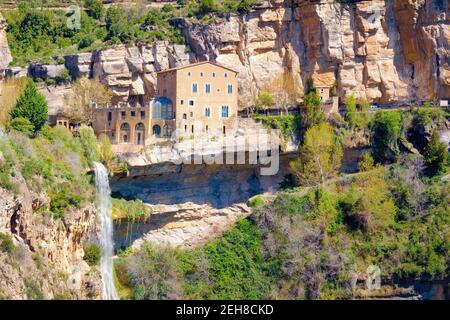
x: 106, y: 233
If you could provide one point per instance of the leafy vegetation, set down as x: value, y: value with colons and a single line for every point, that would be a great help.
x: 92, y: 254
x: 320, y: 156
x: 32, y: 106
x: 132, y: 210
x: 54, y: 162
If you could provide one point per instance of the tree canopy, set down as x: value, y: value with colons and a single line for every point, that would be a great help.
x: 31, y: 105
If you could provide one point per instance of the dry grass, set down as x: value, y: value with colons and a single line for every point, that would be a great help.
x: 10, y: 90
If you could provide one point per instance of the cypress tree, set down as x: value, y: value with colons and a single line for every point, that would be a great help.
x: 31, y: 105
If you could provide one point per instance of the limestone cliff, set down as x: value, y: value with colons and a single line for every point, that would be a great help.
x: 388, y: 51
x: 47, y: 261
x: 392, y: 51
x: 5, y: 54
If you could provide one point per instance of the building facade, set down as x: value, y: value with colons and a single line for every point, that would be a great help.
x: 199, y: 98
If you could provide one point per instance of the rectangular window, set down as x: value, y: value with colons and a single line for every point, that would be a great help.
x: 181, y: 102
x: 225, y: 111
x: 194, y: 88
x: 123, y: 115
x: 184, y: 116
x: 109, y: 116
x: 142, y: 114
x: 207, y: 88
x: 230, y: 88
x: 207, y: 112
x: 133, y: 113
x: 191, y: 103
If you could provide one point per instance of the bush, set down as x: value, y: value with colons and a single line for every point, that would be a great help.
x: 22, y: 125
x: 206, y: 6
x: 436, y: 155
x: 256, y: 201
x: 366, y: 163
x: 6, y: 244
x: 92, y: 254
x: 86, y: 41
x: 94, y: 8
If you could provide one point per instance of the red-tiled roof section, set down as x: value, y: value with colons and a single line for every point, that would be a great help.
x: 196, y: 64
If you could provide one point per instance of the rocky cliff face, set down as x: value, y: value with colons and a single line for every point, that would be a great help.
x: 5, y: 54
x: 386, y: 51
x: 47, y: 261
x: 389, y: 52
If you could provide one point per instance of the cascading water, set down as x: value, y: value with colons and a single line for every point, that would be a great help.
x: 106, y: 234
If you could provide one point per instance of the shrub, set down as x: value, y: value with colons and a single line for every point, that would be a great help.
x: 92, y: 254
x: 6, y: 244
x: 206, y: 6
x: 22, y: 125
x: 94, y: 8
x: 32, y: 290
x: 86, y: 41
x: 256, y: 201
x: 436, y: 155
x: 366, y: 163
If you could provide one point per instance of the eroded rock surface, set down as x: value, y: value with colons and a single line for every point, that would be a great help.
x: 47, y: 261
x: 5, y: 53
x: 390, y: 52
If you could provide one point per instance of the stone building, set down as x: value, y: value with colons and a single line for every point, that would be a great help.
x: 199, y: 98
x: 324, y: 84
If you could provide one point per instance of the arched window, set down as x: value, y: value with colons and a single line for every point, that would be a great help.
x: 125, y: 133
x: 167, y: 131
x: 157, y: 131
x: 162, y: 108
x: 140, y: 133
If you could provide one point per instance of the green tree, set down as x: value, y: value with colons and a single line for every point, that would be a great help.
x: 314, y: 114
x: 117, y: 24
x: 386, y: 128
x: 94, y: 8
x: 264, y: 100
x: 436, y: 155
x: 31, y: 105
x: 350, y: 111
x: 320, y: 156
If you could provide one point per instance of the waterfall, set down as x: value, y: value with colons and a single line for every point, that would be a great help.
x: 106, y: 234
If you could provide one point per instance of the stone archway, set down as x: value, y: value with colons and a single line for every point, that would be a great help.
x: 125, y: 133
x: 140, y: 133
x: 157, y: 131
